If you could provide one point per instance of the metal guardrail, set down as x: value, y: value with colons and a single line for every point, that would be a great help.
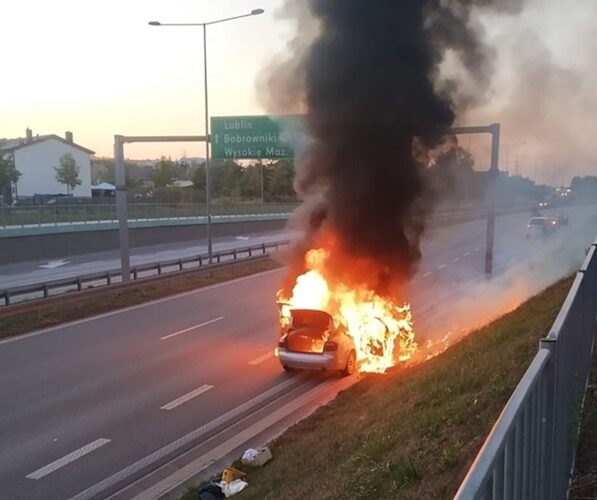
x: 529, y: 453
x: 106, y: 278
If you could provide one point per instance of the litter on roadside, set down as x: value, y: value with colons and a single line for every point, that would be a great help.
x: 233, y: 487
x: 256, y: 456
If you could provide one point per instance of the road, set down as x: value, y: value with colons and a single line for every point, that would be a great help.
x: 90, y: 406
x: 24, y: 273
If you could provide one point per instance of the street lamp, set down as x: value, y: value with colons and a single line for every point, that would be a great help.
x: 254, y: 12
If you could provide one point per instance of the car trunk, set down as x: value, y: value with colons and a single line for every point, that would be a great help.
x: 307, y: 340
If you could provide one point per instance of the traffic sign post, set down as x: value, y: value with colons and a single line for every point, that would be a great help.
x: 257, y: 137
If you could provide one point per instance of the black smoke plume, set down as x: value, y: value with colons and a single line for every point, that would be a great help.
x: 374, y: 101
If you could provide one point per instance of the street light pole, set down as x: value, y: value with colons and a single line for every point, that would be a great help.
x: 207, y: 147
x: 254, y: 12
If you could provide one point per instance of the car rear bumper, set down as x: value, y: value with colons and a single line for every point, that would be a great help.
x: 309, y: 361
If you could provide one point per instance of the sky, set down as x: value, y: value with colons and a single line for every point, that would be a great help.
x: 96, y: 68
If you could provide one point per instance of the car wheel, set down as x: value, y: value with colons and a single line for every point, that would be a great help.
x: 351, y: 364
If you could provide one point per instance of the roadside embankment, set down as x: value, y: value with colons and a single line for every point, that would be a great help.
x: 413, y: 432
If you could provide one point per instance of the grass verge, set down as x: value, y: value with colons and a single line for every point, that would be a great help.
x: 414, y: 432
x: 69, y: 307
x: 584, y: 484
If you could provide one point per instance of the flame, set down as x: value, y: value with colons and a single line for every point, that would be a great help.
x: 381, y: 329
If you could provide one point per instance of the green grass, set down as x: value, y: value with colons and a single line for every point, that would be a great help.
x: 414, y: 432
x: 584, y: 483
x: 74, y: 306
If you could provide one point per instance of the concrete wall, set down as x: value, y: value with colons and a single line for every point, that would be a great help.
x: 36, y: 163
x: 49, y: 246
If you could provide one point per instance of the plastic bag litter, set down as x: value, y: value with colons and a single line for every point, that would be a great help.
x: 256, y: 457
x: 249, y: 455
x: 233, y: 487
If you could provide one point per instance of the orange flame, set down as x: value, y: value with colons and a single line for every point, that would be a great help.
x: 381, y: 329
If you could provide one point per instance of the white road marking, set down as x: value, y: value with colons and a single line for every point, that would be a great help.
x: 57, y: 328
x: 187, y: 397
x: 443, y: 266
x: 262, y: 358
x: 329, y: 388
x: 476, y: 249
x: 426, y: 274
x: 467, y: 254
x: 190, y: 328
x: 67, y: 459
x: 154, y: 457
x: 53, y: 264
x: 456, y: 259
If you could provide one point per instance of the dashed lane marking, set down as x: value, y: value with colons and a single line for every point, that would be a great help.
x: 187, y: 397
x: 194, y: 327
x: 262, y: 358
x: 67, y: 459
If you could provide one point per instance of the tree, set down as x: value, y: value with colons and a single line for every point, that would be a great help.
x: 280, y: 177
x: 9, y: 175
x: 67, y: 172
x: 106, y: 172
x: 164, y: 173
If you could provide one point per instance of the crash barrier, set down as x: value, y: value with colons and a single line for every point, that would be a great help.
x: 78, y: 283
x: 529, y: 453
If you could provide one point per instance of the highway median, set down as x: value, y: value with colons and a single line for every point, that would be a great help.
x: 34, y: 315
x: 414, y: 432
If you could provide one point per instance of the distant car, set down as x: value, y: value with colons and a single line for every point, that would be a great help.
x: 561, y: 219
x: 312, y: 342
x: 540, y: 227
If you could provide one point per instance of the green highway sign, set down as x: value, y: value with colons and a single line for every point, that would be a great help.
x: 257, y: 137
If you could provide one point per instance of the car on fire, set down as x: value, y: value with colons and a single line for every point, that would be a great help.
x: 311, y: 341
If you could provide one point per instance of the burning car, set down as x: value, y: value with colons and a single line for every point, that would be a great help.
x: 311, y: 341
x: 323, y: 321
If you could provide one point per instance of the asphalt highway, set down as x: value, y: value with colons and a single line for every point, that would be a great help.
x: 31, y: 272
x: 88, y: 407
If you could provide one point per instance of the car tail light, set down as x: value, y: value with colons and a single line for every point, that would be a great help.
x: 330, y: 346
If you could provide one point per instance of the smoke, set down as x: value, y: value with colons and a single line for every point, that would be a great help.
x: 527, y: 268
x: 374, y: 86
x: 543, y: 89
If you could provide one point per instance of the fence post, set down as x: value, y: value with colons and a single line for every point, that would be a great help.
x: 549, y: 398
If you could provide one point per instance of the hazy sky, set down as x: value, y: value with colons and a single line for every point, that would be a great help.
x: 96, y: 68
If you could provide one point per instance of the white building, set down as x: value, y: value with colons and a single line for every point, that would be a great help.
x: 36, y: 157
